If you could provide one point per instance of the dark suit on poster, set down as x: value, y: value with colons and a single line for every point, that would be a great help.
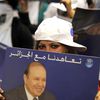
x: 20, y: 94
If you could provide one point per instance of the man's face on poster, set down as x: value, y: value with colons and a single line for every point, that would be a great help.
x: 35, y: 81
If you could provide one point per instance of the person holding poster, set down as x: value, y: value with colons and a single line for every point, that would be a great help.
x: 64, y: 29
x: 56, y: 35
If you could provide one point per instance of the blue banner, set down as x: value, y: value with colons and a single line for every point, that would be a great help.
x: 69, y: 77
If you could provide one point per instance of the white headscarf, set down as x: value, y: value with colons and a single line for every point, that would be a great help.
x: 33, y: 9
x: 5, y: 27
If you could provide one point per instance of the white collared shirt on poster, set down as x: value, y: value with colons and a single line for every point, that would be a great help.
x: 29, y: 96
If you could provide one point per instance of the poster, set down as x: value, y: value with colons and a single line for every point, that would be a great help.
x: 69, y: 77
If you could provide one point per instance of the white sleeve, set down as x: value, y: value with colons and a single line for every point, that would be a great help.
x: 51, y: 11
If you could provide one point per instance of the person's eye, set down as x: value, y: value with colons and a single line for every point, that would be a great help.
x: 54, y: 46
x: 41, y: 47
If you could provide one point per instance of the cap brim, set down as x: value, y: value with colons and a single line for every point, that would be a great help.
x: 72, y: 44
x: 75, y: 45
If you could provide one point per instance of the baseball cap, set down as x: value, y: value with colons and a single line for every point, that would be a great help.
x: 57, y: 30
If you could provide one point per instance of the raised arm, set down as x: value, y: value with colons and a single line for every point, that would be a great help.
x: 68, y: 6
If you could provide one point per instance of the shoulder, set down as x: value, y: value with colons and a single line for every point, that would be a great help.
x: 21, y: 35
x: 18, y: 25
x: 14, y: 94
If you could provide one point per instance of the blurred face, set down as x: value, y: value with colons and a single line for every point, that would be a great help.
x: 35, y: 81
x: 50, y: 46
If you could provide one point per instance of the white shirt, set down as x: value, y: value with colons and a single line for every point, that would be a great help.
x: 29, y: 96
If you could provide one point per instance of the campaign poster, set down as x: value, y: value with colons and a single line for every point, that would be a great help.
x: 69, y: 76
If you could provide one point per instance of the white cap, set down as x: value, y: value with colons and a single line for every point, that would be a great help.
x: 57, y: 30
